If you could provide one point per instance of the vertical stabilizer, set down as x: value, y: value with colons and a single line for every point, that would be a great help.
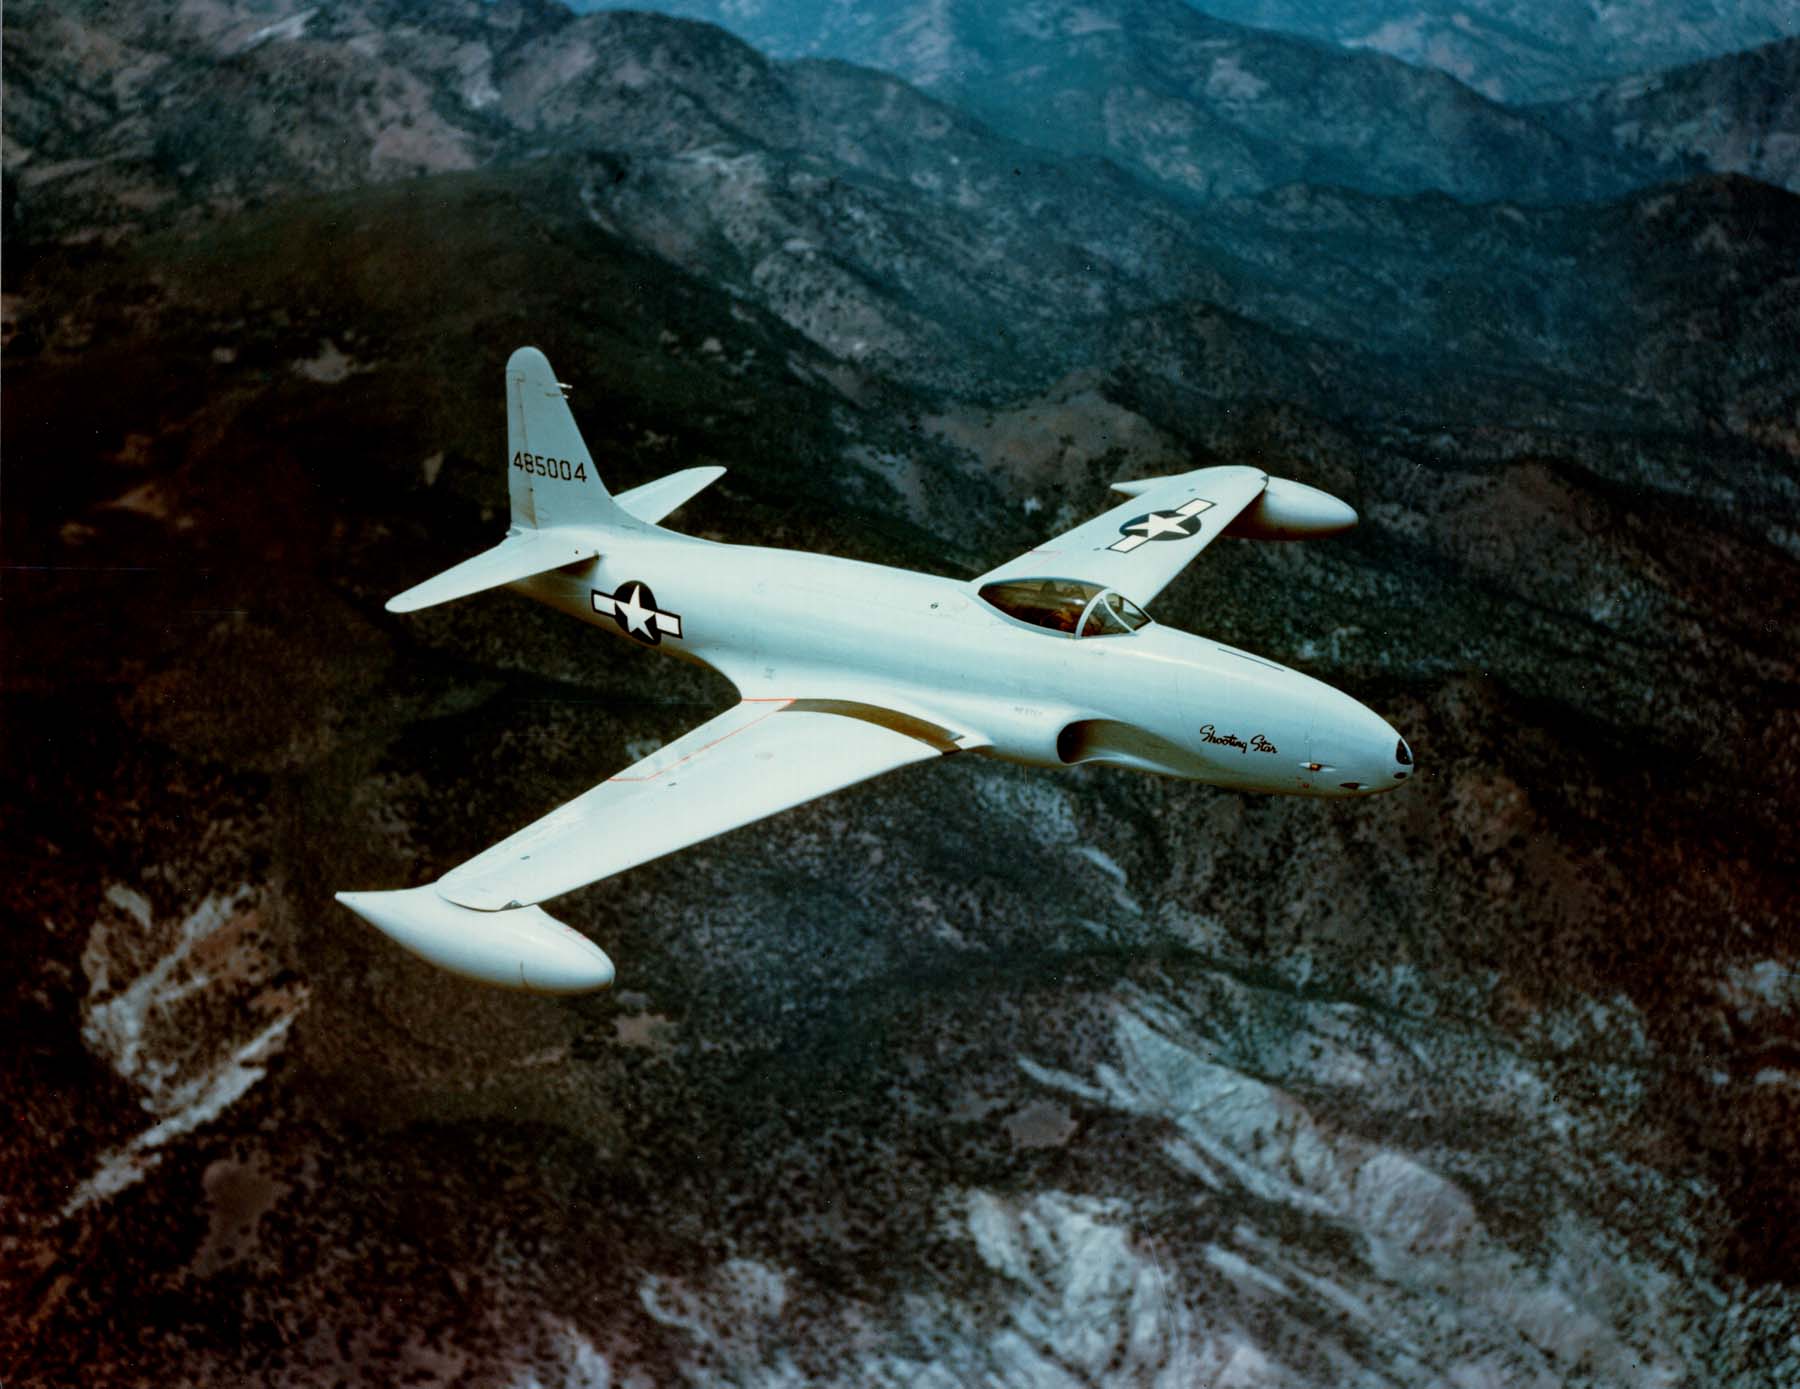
x: 551, y: 475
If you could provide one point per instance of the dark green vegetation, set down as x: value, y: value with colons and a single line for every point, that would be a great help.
x: 991, y: 1070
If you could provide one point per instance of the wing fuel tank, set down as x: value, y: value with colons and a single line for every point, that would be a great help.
x: 522, y: 948
x: 1289, y: 510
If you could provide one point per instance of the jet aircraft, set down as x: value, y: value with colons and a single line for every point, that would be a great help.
x: 846, y: 670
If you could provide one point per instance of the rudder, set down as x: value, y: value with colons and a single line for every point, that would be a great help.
x: 551, y: 475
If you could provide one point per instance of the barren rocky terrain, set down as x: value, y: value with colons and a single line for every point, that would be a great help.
x: 979, y: 1073
x: 1735, y: 113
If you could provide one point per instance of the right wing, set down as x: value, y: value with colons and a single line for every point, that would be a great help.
x: 753, y: 760
x: 1141, y: 544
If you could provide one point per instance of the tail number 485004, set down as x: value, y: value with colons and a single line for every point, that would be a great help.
x: 550, y: 467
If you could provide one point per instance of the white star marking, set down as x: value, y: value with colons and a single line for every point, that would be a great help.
x: 636, y: 615
x: 1154, y: 525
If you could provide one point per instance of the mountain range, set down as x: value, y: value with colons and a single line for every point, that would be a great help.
x: 1739, y: 113
x: 1504, y: 49
x: 1517, y: 51
x: 988, y: 1074
x: 1195, y: 106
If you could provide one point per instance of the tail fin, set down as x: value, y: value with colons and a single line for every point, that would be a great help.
x: 551, y: 475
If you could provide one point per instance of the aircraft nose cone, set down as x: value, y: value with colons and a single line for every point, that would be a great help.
x: 1355, y: 750
x: 1403, y: 759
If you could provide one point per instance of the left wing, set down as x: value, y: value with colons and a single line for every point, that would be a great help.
x: 753, y: 760
x: 1141, y: 544
x: 763, y: 756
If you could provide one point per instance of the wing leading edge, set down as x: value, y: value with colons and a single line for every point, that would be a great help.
x: 755, y: 759
x: 1140, y: 545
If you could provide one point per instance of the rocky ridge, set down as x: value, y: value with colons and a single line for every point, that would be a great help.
x: 1194, y: 106
x: 1515, y: 51
x: 1739, y: 113
x: 1507, y: 51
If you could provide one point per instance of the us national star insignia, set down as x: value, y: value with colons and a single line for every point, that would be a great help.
x: 634, y: 608
x: 1179, y: 524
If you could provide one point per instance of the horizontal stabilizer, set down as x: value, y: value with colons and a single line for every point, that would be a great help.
x: 525, y: 948
x: 519, y: 556
x: 655, y: 500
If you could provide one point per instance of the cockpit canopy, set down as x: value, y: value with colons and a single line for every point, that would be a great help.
x: 1069, y: 606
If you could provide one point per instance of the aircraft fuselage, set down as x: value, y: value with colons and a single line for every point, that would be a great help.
x: 784, y: 624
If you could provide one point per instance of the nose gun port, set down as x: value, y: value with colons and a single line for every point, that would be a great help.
x: 1312, y: 764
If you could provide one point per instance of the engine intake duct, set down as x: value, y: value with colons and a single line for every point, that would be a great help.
x: 1119, y: 745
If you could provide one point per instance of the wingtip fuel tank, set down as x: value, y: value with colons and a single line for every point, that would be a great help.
x: 1289, y: 510
x: 521, y: 948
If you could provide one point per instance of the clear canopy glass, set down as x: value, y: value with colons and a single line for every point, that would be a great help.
x: 1069, y: 606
